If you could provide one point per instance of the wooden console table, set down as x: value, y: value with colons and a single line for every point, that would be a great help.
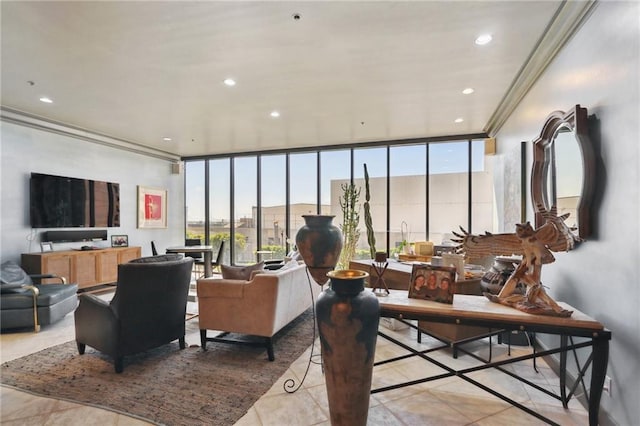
x: 87, y: 268
x: 479, y: 311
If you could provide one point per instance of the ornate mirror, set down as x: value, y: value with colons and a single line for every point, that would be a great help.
x: 563, y: 170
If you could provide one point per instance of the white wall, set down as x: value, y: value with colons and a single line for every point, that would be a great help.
x: 25, y: 150
x: 599, y: 69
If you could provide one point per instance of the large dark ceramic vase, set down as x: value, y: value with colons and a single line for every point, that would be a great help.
x: 319, y: 243
x: 348, y: 317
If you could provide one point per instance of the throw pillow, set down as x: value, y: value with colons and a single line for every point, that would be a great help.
x: 240, y: 272
x: 12, y: 278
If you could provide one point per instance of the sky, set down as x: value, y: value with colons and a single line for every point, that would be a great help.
x: 405, y: 160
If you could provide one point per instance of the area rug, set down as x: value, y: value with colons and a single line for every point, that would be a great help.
x: 166, y: 385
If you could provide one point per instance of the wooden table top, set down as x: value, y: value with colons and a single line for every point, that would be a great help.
x: 466, y: 307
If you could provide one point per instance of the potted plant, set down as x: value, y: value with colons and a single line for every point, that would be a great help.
x: 350, y: 220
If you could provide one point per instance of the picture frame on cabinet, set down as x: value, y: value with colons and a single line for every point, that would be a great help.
x: 46, y: 246
x: 119, y: 241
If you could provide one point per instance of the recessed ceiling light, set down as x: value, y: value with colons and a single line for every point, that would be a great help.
x: 458, y: 120
x: 46, y: 100
x: 166, y: 139
x: 468, y: 91
x: 229, y: 82
x: 275, y: 114
x: 484, y: 39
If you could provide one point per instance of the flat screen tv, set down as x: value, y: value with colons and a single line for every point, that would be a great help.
x: 61, y: 202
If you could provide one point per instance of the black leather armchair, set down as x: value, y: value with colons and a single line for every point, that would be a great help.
x: 24, y: 303
x: 148, y: 309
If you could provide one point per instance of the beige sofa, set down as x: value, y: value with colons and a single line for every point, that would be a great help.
x: 260, y: 307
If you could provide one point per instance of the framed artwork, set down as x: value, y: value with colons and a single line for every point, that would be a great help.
x: 44, y: 247
x: 432, y: 283
x: 152, y: 207
x: 119, y: 241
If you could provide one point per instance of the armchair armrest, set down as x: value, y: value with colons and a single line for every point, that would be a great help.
x: 96, y: 324
x: 98, y: 303
x: 40, y: 276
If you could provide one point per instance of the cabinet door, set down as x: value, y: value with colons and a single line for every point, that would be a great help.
x: 58, y: 264
x: 127, y: 254
x: 108, y: 266
x: 86, y: 269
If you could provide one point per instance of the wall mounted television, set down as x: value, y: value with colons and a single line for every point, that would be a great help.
x: 61, y: 202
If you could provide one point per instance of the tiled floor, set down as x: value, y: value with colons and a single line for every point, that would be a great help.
x: 450, y: 401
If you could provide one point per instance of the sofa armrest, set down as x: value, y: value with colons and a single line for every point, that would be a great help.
x: 221, y: 288
x: 40, y: 276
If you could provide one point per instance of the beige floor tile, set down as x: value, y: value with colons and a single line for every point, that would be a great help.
x: 390, y: 377
x: 425, y: 409
x: 249, y: 419
x: 296, y: 408
x: 27, y: 421
x: 90, y: 416
x: 510, y: 417
x: 122, y: 420
x: 319, y: 395
x: 380, y: 415
x: 18, y: 405
x: 570, y: 417
x: 473, y: 408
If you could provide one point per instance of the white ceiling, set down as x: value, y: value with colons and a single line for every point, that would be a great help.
x: 345, y: 72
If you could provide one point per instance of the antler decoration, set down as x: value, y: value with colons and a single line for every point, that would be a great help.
x: 536, y: 247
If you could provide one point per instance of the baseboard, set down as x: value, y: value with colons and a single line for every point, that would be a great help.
x: 604, y: 419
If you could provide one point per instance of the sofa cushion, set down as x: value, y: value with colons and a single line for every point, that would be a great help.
x: 13, y: 278
x: 50, y: 294
x: 159, y: 258
x: 240, y: 272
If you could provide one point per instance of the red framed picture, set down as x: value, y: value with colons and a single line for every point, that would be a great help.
x: 152, y: 207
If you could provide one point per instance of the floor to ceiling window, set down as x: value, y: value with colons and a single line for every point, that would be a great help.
x: 408, y: 195
x: 418, y: 192
x: 448, y: 204
x: 220, y: 205
x: 194, y: 199
x: 245, y: 197
x: 376, y: 161
x: 303, y: 189
x: 273, y: 200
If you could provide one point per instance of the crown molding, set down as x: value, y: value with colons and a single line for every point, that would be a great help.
x: 565, y: 23
x: 14, y: 116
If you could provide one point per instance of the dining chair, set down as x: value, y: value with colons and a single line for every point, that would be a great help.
x: 218, y: 260
x: 197, y: 257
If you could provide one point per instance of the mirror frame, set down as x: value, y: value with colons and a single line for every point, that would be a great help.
x: 576, y: 120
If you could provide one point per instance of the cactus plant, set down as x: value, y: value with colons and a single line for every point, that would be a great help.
x: 350, y: 220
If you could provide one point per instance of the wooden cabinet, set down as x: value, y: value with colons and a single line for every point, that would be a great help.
x: 108, y: 266
x: 85, y: 268
x: 59, y: 264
